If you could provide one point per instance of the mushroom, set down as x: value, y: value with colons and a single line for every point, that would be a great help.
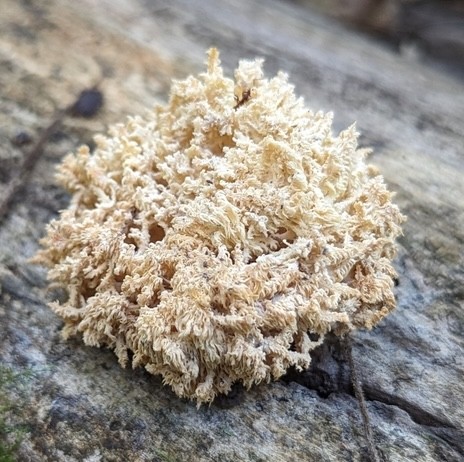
x: 220, y: 237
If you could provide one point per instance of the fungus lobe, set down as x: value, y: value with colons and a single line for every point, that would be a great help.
x: 219, y: 238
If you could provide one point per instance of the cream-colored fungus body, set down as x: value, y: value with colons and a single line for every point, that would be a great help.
x: 218, y: 236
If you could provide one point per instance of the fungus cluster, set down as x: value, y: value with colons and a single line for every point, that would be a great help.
x: 219, y: 237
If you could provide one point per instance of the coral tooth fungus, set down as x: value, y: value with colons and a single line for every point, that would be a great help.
x: 221, y: 236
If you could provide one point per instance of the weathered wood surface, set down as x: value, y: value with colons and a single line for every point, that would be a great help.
x: 74, y: 402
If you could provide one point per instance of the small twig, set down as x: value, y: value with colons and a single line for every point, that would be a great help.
x: 358, y: 391
x: 86, y: 105
x: 244, y: 98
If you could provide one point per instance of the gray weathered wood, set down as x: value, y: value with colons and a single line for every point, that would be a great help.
x: 75, y: 402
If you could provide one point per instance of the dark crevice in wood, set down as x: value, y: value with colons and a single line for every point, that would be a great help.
x: 326, y: 374
x: 417, y: 415
x: 440, y: 428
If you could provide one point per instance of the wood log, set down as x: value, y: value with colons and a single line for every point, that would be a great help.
x: 74, y: 402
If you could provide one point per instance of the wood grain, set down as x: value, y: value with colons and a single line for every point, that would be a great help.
x: 75, y: 401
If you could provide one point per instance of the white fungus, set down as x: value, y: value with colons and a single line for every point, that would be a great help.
x: 216, y: 237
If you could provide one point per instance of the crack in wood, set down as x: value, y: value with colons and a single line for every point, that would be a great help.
x: 86, y: 105
x: 417, y: 414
